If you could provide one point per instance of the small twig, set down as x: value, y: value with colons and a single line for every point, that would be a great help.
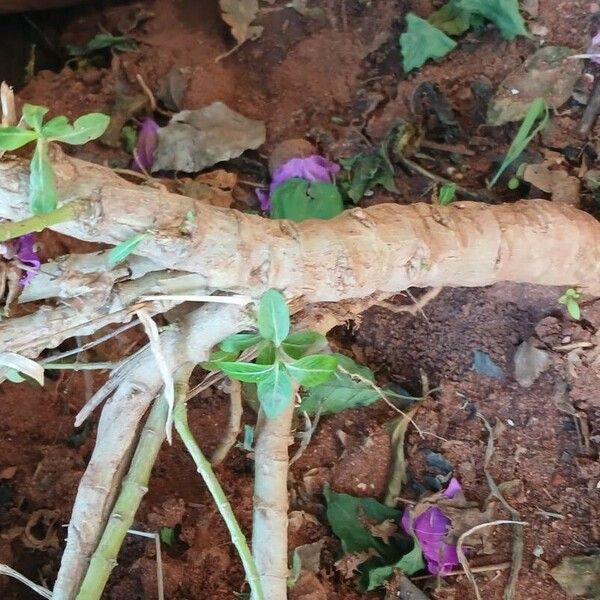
x: 92, y: 344
x: 417, y: 168
x: 238, y: 300
x: 591, y: 110
x: 418, y: 303
x: 452, y: 148
x: 159, y: 567
x: 461, y: 555
x: 81, y: 366
x: 517, y: 552
x: 234, y: 426
x: 306, y: 435
x: 482, y: 569
x: 6, y: 570
x: 146, y: 91
x: 229, y: 52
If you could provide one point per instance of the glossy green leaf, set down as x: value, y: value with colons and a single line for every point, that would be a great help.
x: 297, y: 344
x: 573, y: 309
x: 535, y: 120
x: 275, y: 391
x: 129, y: 137
x: 84, y: 129
x: 422, y: 41
x: 503, y: 13
x: 363, y: 172
x: 56, y: 127
x: 297, y: 199
x: 167, y: 535
x: 43, y: 196
x: 341, y: 392
x: 121, y: 251
x: 312, y: 370
x: 34, y: 115
x: 12, y: 138
x: 447, y: 193
x: 239, y: 342
x: 248, y: 372
x: 273, y: 317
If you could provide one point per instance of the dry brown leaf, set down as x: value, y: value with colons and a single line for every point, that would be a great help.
x: 41, y: 521
x: 8, y: 473
x: 239, y: 14
x: 349, y: 563
x: 384, y: 530
x: 308, y: 587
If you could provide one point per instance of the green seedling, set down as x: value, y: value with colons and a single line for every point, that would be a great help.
x: 535, y: 120
x: 43, y: 196
x: 571, y: 299
x: 447, y: 193
x: 282, y: 358
x: 103, y: 41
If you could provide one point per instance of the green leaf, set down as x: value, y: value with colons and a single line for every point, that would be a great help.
x: 275, y: 391
x: 248, y: 372
x: 56, y: 127
x: 218, y: 356
x: 297, y: 344
x: 104, y: 41
x: 447, y: 193
x: 34, y: 115
x: 266, y: 353
x: 239, y: 342
x: 297, y: 199
x: 43, y: 196
x: 121, y: 251
x: 248, y: 438
x: 573, y: 309
x: 363, y: 172
x: 85, y: 129
x: 273, y: 317
x: 503, y: 13
x: 129, y: 137
x: 12, y: 138
x: 345, y: 516
x: 167, y: 535
x: 535, y: 120
x: 312, y: 370
x: 451, y: 18
x: 409, y: 564
x: 14, y: 376
x: 422, y: 41
x: 341, y: 392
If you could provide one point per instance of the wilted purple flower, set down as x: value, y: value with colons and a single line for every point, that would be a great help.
x: 430, y: 528
x: 311, y: 168
x: 594, y: 49
x: 23, y: 249
x: 146, y: 145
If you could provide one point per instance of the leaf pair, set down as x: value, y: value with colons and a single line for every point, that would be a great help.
x: 43, y: 196
x: 363, y: 172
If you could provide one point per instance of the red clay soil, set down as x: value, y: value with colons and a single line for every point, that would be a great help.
x: 337, y: 81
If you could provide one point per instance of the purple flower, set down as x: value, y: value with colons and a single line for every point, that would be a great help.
x: 430, y: 528
x: 311, y: 168
x: 594, y: 49
x: 453, y: 488
x: 23, y: 249
x: 146, y: 145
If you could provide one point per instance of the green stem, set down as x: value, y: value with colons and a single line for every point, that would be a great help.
x: 135, y: 485
x: 238, y: 538
x: 68, y: 212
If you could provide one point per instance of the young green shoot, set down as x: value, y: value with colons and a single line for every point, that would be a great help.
x: 43, y: 195
x: 571, y: 299
x: 447, y: 194
x: 535, y: 120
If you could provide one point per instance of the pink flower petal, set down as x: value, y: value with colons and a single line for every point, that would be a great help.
x: 27, y: 255
x: 146, y: 145
x: 453, y: 488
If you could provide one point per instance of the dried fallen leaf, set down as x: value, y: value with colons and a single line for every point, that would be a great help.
x: 349, y: 563
x: 8, y: 473
x: 308, y: 587
x: 214, y: 188
x: 579, y: 576
x: 239, y: 14
x: 196, y: 139
x: 563, y: 187
x: 41, y: 522
x: 172, y: 87
x: 310, y: 555
x: 384, y: 530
